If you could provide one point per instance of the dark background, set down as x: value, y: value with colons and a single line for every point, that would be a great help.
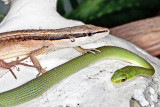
x: 107, y: 13
x: 3, y: 10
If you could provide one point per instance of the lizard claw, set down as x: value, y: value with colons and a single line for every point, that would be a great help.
x: 83, y: 51
x: 40, y: 71
x: 90, y: 51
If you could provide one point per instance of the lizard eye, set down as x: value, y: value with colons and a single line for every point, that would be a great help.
x: 124, y: 79
x: 89, y: 34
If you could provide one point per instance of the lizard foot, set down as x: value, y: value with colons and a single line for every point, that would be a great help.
x: 83, y: 51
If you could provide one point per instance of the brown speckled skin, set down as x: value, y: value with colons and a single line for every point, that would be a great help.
x: 23, y: 42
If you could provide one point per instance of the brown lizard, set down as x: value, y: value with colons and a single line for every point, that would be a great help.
x: 34, y: 42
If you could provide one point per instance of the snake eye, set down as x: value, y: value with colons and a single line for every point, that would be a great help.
x: 124, y: 79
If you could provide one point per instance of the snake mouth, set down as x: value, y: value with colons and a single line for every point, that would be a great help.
x: 115, y: 82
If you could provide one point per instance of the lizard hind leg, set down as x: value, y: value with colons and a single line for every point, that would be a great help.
x: 9, y: 65
x: 6, y: 65
x: 18, y: 61
x: 13, y: 73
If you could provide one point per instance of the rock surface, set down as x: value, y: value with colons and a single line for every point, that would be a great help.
x: 90, y: 86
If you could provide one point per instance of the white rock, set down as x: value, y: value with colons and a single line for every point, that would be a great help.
x: 89, y: 86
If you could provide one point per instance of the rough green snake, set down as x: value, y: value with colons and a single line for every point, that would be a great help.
x: 37, y: 86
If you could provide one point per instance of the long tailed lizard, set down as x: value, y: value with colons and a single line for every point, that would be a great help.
x: 34, y: 42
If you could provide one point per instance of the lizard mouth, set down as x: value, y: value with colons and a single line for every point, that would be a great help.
x: 101, y: 31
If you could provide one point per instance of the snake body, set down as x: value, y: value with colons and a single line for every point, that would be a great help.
x: 37, y: 86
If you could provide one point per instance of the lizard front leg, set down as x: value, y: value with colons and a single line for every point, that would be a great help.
x: 34, y: 60
x: 36, y: 63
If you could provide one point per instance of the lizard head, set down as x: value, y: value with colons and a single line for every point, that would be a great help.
x: 89, y: 31
x: 79, y: 35
x: 86, y: 33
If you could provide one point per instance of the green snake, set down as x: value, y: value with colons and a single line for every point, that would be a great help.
x: 37, y: 86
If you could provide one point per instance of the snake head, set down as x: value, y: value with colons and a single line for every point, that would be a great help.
x: 121, y: 75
